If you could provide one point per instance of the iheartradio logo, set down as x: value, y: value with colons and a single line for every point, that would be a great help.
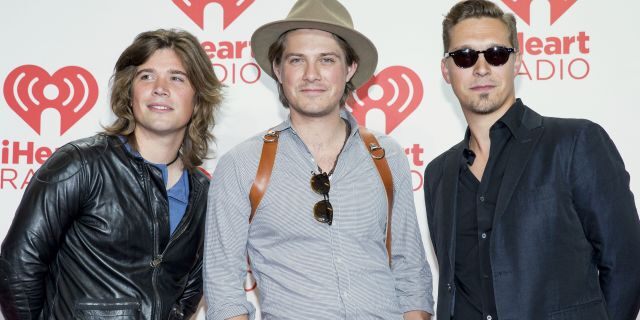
x: 522, y: 8
x: 397, y: 91
x: 231, y: 9
x: 29, y: 90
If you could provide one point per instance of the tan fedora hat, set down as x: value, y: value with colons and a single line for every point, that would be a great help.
x: 326, y: 15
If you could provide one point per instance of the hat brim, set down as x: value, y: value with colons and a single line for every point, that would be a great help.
x: 265, y: 36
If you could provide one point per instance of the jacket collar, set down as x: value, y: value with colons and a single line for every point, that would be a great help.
x: 526, y: 126
x: 527, y: 132
x: 519, y: 119
x: 522, y: 121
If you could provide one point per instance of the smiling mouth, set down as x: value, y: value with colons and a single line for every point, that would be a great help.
x: 312, y: 90
x: 161, y: 108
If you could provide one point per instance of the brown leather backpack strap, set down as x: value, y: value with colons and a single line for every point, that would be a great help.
x: 265, y: 166
x: 378, y: 156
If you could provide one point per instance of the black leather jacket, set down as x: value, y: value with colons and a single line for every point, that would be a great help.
x: 91, y: 240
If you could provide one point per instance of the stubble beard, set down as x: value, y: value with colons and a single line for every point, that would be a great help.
x: 315, y: 112
x: 484, y: 105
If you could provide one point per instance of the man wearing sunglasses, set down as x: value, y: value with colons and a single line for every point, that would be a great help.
x: 530, y: 217
x: 317, y: 241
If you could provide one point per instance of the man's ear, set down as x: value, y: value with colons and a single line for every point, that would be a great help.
x: 517, y: 64
x: 276, y: 71
x: 351, y: 70
x: 445, y: 70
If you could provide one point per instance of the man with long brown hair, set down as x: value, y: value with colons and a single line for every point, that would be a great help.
x: 113, y: 225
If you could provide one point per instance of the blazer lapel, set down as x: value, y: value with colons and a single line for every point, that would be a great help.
x: 450, y: 193
x: 527, y: 136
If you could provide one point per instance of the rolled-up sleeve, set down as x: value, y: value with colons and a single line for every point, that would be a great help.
x: 225, y: 260
x: 409, y: 264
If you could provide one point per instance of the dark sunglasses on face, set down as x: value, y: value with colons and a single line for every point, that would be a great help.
x: 495, y: 56
x: 322, y: 211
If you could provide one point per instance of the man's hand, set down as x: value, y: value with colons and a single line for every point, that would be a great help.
x: 417, y: 315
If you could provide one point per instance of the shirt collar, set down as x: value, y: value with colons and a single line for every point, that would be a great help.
x: 129, y: 148
x: 161, y: 166
x: 180, y: 190
x: 344, y: 114
x: 511, y: 119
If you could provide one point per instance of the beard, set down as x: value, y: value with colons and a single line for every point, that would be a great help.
x: 484, y: 105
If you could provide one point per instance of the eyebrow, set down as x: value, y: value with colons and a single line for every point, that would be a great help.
x: 330, y: 54
x: 324, y: 54
x: 172, y: 71
x: 490, y: 45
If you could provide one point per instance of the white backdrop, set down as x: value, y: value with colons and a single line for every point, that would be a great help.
x: 580, y: 61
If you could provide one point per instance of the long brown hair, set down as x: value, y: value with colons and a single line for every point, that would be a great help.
x: 207, y: 87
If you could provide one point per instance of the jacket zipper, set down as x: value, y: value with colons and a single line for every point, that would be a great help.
x: 158, y: 260
x: 157, y: 257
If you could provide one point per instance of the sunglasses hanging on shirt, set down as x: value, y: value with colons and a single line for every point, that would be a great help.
x: 467, y: 58
x: 322, y: 211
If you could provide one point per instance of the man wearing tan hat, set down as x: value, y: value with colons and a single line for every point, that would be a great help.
x: 310, y: 203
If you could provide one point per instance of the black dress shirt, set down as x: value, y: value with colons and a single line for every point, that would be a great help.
x: 476, y: 204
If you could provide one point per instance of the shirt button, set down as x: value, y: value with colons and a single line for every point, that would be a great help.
x: 449, y: 287
x: 484, y: 235
x: 481, y: 198
x: 489, y: 317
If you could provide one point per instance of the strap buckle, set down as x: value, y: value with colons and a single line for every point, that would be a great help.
x: 376, y: 151
x: 270, y: 136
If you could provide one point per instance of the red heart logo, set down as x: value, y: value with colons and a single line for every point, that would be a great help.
x: 523, y: 8
x: 231, y: 9
x: 559, y: 7
x: 402, y: 93
x: 520, y: 7
x: 24, y: 91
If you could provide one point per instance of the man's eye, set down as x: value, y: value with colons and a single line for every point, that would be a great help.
x: 176, y: 78
x: 295, y: 60
x: 328, y: 60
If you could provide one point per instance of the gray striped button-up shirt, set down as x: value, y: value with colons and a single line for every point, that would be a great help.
x: 306, y: 269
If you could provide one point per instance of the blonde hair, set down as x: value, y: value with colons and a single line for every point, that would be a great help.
x: 478, y: 9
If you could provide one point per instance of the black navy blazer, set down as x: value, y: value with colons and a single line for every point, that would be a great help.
x: 565, y: 241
